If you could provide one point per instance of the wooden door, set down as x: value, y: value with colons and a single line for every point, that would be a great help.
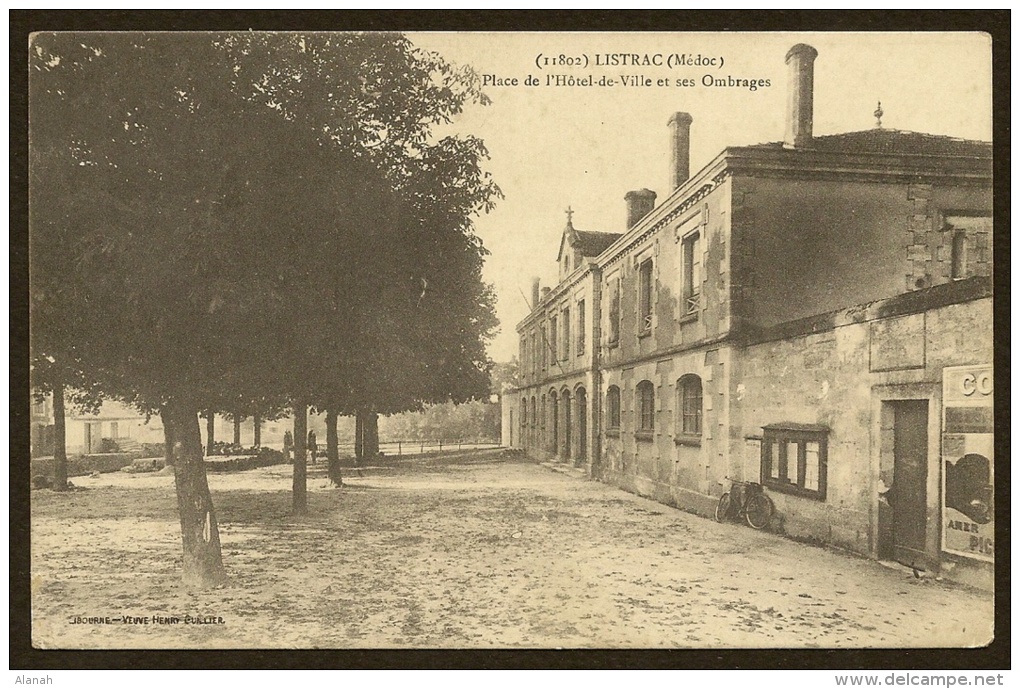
x: 910, y: 475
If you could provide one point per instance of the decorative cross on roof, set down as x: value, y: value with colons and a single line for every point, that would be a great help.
x: 570, y: 215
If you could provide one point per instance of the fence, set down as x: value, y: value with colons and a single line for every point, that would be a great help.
x: 404, y: 448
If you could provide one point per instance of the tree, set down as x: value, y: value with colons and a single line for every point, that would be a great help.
x: 153, y: 172
x: 413, y: 328
x: 55, y: 363
x: 210, y: 431
x: 62, y: 383
x: 203, y: 183
x: 332, y: 450
x: 128, y: 203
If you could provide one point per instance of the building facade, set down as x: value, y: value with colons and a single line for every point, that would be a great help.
x: 813, y: 314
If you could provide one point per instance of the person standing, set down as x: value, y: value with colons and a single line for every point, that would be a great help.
x: 288, y: 445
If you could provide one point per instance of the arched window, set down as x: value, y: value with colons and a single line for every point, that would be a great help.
x: 646, y: 405
x: 524, y: 411
x: 533, y: 415
x: 613, y: 408
x: 542, y: 417
x: 689, y: 404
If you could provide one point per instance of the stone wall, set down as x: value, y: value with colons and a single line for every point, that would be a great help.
x: 839, y: 378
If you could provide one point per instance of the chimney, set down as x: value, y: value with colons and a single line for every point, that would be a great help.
x: 639, y: 204
x: 534, y: 292
x: 800, y: 99
x: 680, y: 149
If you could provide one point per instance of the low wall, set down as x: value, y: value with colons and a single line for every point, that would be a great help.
x: 83, y: 465
x: 218, y: 463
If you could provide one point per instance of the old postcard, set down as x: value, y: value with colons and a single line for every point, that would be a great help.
x: 453, y: 340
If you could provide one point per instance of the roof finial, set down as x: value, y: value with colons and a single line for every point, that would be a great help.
x: 878, y: 115
x: 570, y: 216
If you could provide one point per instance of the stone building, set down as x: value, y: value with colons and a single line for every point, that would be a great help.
x: 91, y: 433
x: 814, y: 314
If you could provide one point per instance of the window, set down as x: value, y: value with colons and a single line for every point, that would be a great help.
x: 614, y: 311
x: 613, y: 409
x: 534, y: 352
x: 794, y: 459
x: 691, y: 275
x: 533, y: 415
x: 524, y: 411
x: 646, y: 407
x: 689, y: 403
x: 580, y: 327
x: 543, y: 413
x: 565, y: 354
x: 553, y: 349
x: 959, y: 255
x: 645, y: 297
x: 543, y: 346
x: 968, y: 242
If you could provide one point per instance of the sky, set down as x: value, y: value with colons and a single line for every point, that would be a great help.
x: 584, y: 147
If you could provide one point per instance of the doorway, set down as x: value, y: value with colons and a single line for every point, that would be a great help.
x: 567, y: 426
x: 582, y: 427
x: 903, y: 518
x: 93, y: 435
x: 554, y: 410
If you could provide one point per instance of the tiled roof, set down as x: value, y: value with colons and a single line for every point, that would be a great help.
x: 593, y: 243
x: 895, y: 142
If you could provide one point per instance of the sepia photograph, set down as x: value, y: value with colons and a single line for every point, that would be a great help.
x: 511, y: 340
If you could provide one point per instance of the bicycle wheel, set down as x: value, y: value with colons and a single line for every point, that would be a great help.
x: 722, y: 509
x: 759, y: 511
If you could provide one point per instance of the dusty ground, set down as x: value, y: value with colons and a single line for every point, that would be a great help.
x: 474, y: 552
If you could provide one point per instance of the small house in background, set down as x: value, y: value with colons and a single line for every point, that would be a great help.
x: 116, y: 427
x: 814, y: 314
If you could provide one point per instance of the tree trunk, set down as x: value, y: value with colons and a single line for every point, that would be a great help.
x: 237, y: 429
x: 359, y: 436
x: 371, y: 434
x: 332, y: 450
x: 257, y: 420
x: 210, y: 432
x: 300, y: 467
x: 168, y: 437
x: 59, y: 439
x: 203, y: 562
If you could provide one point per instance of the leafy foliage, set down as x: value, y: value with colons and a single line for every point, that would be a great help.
x: 289, y: 181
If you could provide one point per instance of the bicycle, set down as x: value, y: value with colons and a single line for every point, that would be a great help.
x: 745, y: 499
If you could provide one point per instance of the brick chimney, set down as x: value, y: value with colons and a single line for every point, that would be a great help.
x: 535, y: 292
x: 680, y: 149
x: 800, y: 99
x: 639, y: 204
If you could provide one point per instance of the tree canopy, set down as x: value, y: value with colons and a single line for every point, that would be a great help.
x: 269, y: 179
